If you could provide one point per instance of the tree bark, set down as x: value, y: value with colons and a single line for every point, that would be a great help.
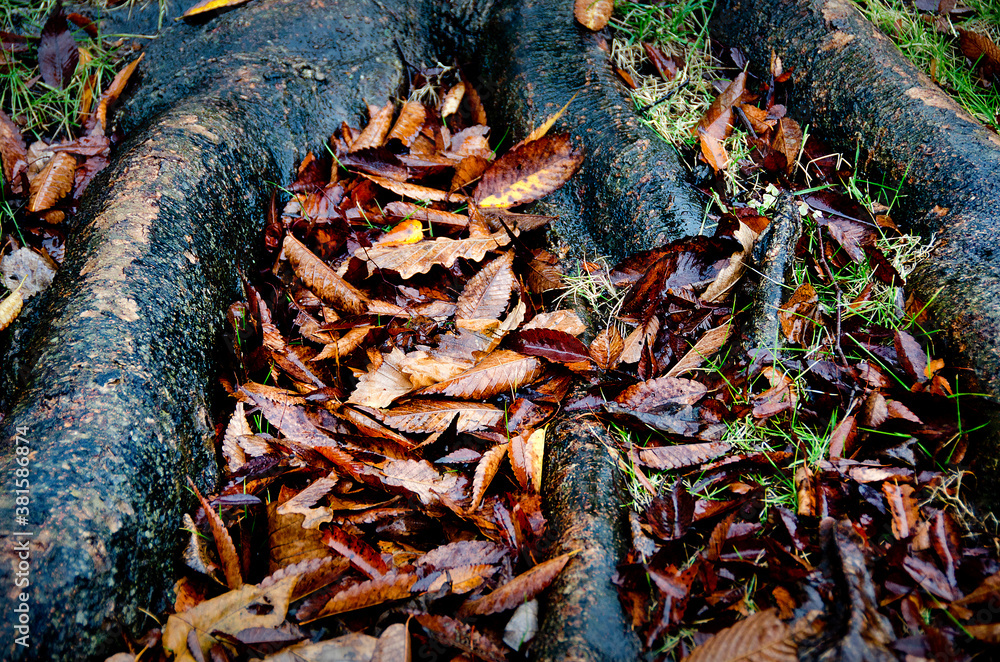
x: 857, y: 90
x: 114, y: 401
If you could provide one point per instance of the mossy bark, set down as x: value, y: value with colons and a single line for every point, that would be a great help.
x: 856, y: 90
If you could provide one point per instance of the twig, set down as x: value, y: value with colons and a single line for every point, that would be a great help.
x: 836, y: 287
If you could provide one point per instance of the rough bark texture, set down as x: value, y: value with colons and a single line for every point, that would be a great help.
x: 111, y: 370
x: 632, y: 192
x: 856, y: 89
x: 113, y: 399
x: 583, y: 620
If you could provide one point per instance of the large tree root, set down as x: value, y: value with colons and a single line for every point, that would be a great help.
x: 115, y: 391
x: 856, y: 89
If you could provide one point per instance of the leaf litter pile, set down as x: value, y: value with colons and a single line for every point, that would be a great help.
x: 395, y: 370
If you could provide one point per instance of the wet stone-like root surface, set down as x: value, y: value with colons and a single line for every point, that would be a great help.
x: 108, y: 376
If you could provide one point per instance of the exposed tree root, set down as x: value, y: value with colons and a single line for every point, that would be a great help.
x: 856, y: 89
x: 114, y: 393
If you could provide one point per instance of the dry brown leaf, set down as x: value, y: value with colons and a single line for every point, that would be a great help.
x: 593, y: 14
x: 980, y: 49
x: 486, y: 294
x: 519, y: 590
x: 528, y: 172
x: 10, y: 308
x: 519, y: 461
x: 12, y: 150
x: 607, y: 348
x: 418, y: 258
x: 343, y: 346
x: 452, y: 99
x: 303, y: 503
x: 501, y: 371
x: 223, y: 542
x: 716, y: 124
x: 413, y: 191
x: 709, y: 343
x: 486, y: 469
x: 408, y: 125
x: 762, y: 637
x: 394, y: 586
x: 421, y: 478
x: 685, y: 455
x: 319, y: 277
x: 393, y: 645
x: 654, y: 393
x: 638, y: 338
x: 384, y: 384
x: 435, y: 415
x: 788, y: 141
x: 374, y: 134
x: 53, y: 182
x: 229, y: 613
x: 566, y: 321
x: 468, y: 170
x: 759, y: 118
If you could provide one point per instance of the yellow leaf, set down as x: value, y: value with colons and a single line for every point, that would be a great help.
x: 544, y: 128
x: 528, y: 172
x: 212, y: 5
x: 407, y: 232
x: 593, y: 14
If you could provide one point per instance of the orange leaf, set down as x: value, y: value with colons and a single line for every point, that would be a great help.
x: 788, y: 141
x: 12, y: 150
x: 212, y: 5
x: 411, y: 120
x: 593, y: 14
x: 378, y: 128
x: 903, y: 507
x: 413, y: 191
x: 528, y: 172
x: 223, y: 542
x: 117, y: 86
x: 607, y: 348
x: 53, y: 182
x: 519, y: 590
x: 366, y: 594
x: 800, y: 314
x: 407, y: 232
x: 321, y: 279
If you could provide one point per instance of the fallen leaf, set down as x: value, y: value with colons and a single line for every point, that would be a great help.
x: 53, y: 182
x: 566, y: 321
x: 710, y: 342
x: 394, y: 586
x: 593, y: 14
x: 519, y: 590
x: 452, y: 632
x: 486, y: 469
x: 357, y: 552
x: 229, y: 613
x: 407, y: 127
x: 418, y: 258
x: 800, y: 314
x: 486, y: 294
x: 382, y: 385
x: 607, y: 347
x: 223, y: 542
x: 375, y: 132
x: 58, y: 53
x: 683, y: 455
x: 421, y: 478
x: 762, y: 637
x: 207, y: 6
x: 321, y: 279
x: 501, y: 371
x: 528, y: 172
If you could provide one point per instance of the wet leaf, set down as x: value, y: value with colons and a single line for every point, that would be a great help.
x: 322, y: 280
x: 499, y: 372
x: 10, y: 308
x: 394, y: 586
x: 12, y: 152
x: 760, y: 638
x: 58, y: 53
x: 452, y: 632
x: 421, y: 478
x: 706, y: 347
x: 358, y: 553
x: 382, y: 385
x: 657, y: 393
x: 903, y: 507
x: 981, y: 50
x: 486, y: 294
x: 788, y: 141
x: 411, y: 120
x: 717, y: 121
x: 223, y: 542
x: 519, y: 590
x: 560, y: 320
x: 418, y: 258
x: 375, y: 132
x: 229, y: 613
x: 911, y: 356
x: 551, y: 344
x: 53, y: 183
x: 528, y: 172
x: 209, y: 6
